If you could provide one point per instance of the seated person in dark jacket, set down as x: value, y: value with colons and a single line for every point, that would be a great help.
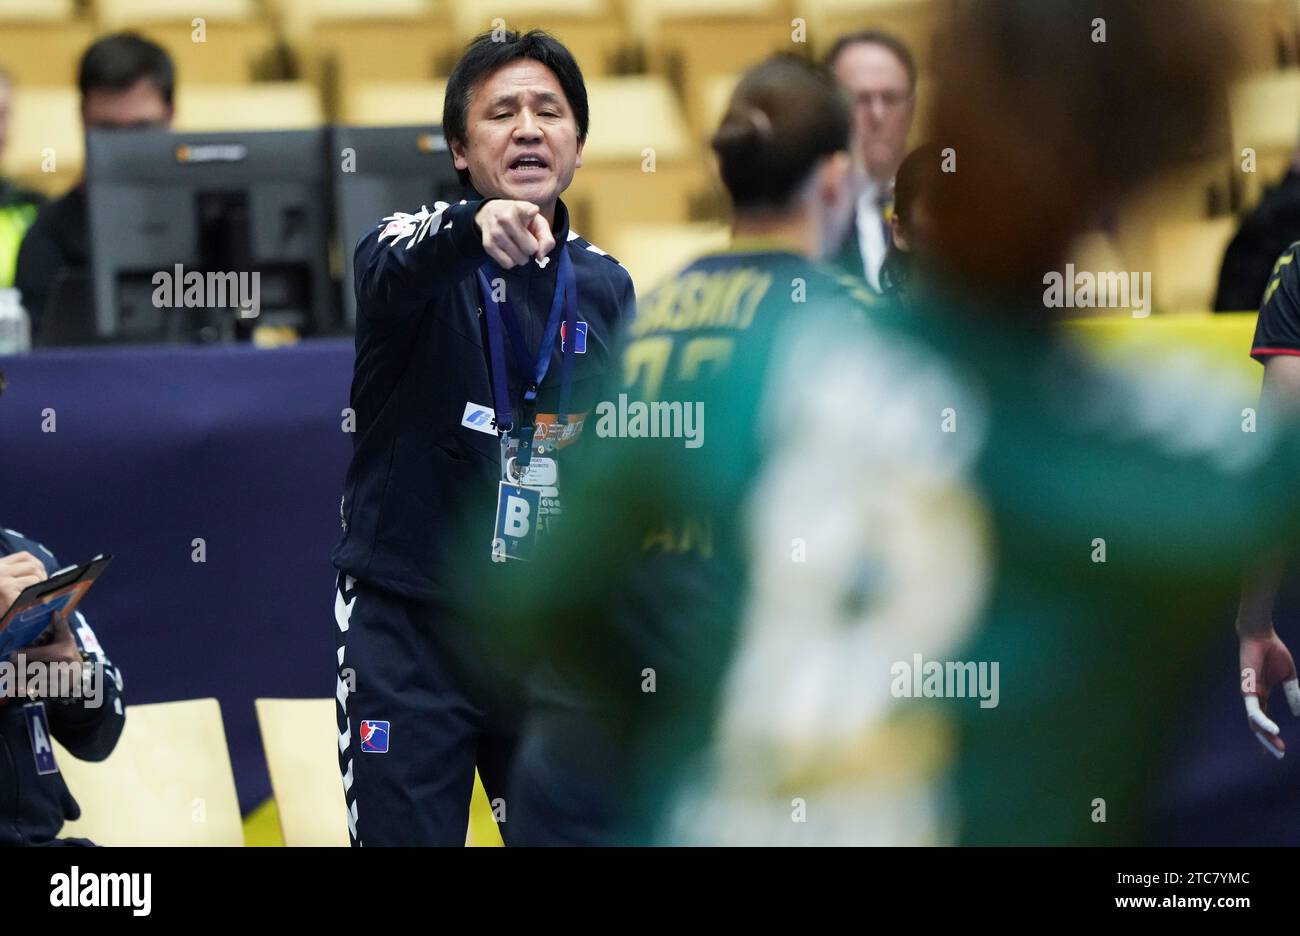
x: 1264, y: 235
x: 84, y: 711
x: 126, y: 82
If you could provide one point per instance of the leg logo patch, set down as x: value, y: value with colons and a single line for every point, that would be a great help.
x: 374, y: 737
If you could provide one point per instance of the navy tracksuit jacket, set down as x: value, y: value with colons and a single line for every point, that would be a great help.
x: 420, y: 700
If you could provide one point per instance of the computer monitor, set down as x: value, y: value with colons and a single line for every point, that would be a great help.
x: 379, y: 170
x: 201, y: 236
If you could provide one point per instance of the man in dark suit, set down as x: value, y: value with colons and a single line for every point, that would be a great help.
x: 879, y: 73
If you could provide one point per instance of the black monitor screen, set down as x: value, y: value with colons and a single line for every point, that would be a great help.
x: 380, y: 170
x: 200, y: 236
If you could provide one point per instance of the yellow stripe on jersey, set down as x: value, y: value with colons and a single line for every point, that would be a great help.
x: 725, y: 299
x: 858, y: 290
x: 1276, y: 278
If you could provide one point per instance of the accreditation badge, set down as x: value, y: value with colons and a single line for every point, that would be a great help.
x: 542, y: 474
x: 38, y: 732
x: 553, y: 435
x: 516, y: 525
x: 527, y: 498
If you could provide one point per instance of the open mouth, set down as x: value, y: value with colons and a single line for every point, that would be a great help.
x: 529, y: 164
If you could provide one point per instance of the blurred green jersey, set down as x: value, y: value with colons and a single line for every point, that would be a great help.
x: 1010, y: 561
x: 641, y: 587
x: 929, y: 577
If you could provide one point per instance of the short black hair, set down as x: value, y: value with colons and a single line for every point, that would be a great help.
x: 485, y: 54
x: 116, y: 62
x: 876, y: 37
x: 785, y: 116
x: 918, y: 175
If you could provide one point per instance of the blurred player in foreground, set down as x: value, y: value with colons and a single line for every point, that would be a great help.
x: 973, y: 583
x: 639, y: 618
x: 1014, y: 556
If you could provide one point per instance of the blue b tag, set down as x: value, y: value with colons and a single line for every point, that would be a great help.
x: 516, y: 526
x: 38, y: 730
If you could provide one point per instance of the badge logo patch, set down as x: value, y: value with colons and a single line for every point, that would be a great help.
x: 554, y: 434
x: 580, y: 342
x: 479, y: 418
x: 374, y: 737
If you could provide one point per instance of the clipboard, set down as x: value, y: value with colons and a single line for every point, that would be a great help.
x: 35, y: 608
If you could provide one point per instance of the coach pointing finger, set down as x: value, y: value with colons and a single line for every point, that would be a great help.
x: 514, y: 232
x: 484, y: 329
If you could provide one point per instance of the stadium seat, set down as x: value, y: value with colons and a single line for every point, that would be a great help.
x: 603, y: 197
x: 713, y: 96
x: 1188, y: 256
x: 122, y: 14
x: 913, y: 21
x: 635, y: 121
x: 653, y: 252
x: 342, y: 43
x: 629, y: 114
x: 25, y: 11
x: 168, y: 781
x: 277, y: 105
x: 393, y: 103
x: 1264, y: 114
x: 645, y: 18
x: 297, y: 17
x: 45, y: 124
x: 1264, y: 111
x: 1196, y: 191
x: 590, y: 29
x: 233, y: 43
x: 1264, y: 32
x: 40, y: 44
x: 688, y: 41
x: 301, y: 744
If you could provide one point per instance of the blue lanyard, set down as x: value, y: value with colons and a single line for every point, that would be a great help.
x: 501, y: 317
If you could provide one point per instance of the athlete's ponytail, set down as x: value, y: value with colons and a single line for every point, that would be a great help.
x: 784, y: 117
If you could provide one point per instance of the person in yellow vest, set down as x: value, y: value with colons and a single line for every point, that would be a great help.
x: 18, y: 206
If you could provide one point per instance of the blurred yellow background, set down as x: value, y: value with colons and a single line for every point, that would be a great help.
x: 659, y: 73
